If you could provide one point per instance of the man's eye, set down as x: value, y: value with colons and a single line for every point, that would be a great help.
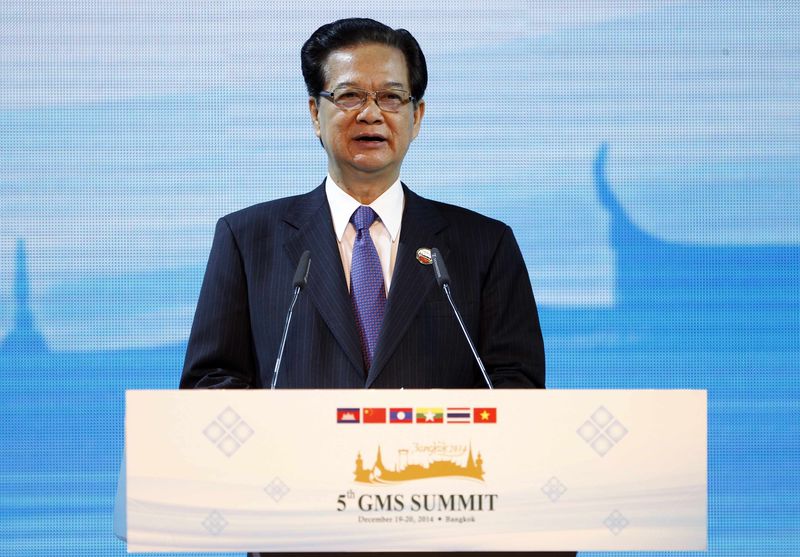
x: 348, y: 95
x: 392, y: 97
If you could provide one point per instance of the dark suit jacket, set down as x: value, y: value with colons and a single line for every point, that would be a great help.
x: 248, y: 287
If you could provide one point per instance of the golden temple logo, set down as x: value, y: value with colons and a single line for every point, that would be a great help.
x: 404, y: 471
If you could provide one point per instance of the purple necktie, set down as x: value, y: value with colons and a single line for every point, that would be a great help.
x: 367, y: 289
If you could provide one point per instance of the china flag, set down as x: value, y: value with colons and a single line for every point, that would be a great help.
x: 484, y: 415
x: 374, y: 415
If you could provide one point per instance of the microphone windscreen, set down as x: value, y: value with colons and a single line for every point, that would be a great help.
x: 301, y: 274
x: 439, y: 268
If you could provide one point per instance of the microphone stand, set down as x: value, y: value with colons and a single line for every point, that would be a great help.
x: 443, y: 278
x: 300, y: 278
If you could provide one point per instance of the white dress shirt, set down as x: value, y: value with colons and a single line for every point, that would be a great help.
x: 385, y: 231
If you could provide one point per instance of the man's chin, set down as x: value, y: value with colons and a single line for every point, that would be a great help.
x: 371, y: 165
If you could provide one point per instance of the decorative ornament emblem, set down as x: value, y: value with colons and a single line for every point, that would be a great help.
x: 424, y: 256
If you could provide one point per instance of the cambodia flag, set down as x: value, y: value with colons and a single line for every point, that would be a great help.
x: 374, y: 415
x: 401, y: 415
x: 348, y: 415
x: 484, y: 415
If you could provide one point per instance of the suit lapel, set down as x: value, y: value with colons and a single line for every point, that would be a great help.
x: 411, y: 280
x: 326, y: 288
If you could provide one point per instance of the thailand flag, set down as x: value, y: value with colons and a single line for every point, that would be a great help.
x: 459, y: 415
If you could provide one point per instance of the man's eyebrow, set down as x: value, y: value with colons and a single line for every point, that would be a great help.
x: 386, y: 85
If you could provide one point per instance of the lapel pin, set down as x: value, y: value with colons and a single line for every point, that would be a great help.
x: 424, y: 256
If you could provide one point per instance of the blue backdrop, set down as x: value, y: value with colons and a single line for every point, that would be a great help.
x: 646, y: 154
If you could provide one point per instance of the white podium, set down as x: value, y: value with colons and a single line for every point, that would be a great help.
x: 433, y: 470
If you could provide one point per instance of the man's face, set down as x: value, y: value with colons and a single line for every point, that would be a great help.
x: 366, y: 144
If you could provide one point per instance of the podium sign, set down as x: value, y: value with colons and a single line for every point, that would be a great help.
x: 433, y: 470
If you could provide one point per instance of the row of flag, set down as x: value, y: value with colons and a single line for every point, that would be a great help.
x: 460, y: 415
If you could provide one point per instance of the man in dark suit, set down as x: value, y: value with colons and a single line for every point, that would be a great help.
x: 365, y: 83
x: 371, y: 315
x: 247, y: 289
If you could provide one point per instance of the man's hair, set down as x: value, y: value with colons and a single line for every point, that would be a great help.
x: 350, y: 32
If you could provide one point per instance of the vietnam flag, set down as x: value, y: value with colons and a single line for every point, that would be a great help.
x: 430, y: 415
x: 484, y: 415
x: 374, y: 415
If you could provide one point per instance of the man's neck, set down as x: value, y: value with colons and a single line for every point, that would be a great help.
x: 365, y: 191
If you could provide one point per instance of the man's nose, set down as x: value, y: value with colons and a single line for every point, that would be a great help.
x: 370, y: 113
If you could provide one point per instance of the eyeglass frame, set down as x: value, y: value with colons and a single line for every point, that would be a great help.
x: 374, y: 94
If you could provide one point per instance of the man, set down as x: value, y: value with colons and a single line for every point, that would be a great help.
x: 371, y: 315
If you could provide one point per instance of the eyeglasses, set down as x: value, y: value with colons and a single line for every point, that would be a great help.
x: 350, y: 98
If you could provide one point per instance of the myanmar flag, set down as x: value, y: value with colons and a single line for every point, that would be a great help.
x: 484, y: 415
x: 430, y: 415
x: 374, y: 415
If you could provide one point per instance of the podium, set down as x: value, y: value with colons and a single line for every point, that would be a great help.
x: 414, y: 470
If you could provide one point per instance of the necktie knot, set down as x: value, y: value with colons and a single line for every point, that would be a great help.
x: 363, y: 217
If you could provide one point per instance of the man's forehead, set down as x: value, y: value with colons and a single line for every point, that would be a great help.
x: 375, y: 65
x: 382, y: 85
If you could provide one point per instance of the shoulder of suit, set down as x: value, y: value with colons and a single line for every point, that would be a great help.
x: 260, y: 210
x: 269, y: 213
x: 461, y: 216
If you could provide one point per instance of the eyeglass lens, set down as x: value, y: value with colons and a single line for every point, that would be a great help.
x: 388, y: 99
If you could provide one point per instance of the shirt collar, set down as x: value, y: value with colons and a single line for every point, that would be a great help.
x: 389, y: 207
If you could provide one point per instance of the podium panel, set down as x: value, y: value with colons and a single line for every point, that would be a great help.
x: 432, y: 470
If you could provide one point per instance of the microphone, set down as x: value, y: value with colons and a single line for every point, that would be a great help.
x: 443, y: 280
x: 301, y: 274
x: 299, y: 282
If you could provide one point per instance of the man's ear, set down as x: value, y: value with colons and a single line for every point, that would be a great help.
x: 313, y: 109
x: 419, y: 112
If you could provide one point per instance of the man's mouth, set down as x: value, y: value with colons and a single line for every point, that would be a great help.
x: 366, y: 138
